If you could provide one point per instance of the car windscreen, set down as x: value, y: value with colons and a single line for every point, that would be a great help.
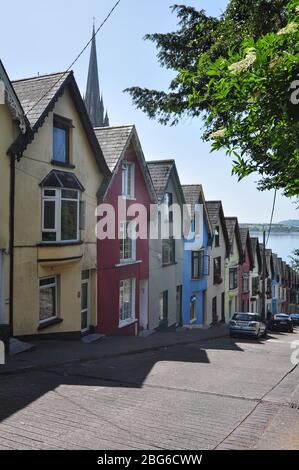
x: 282, y: 317
x: 245, y: 317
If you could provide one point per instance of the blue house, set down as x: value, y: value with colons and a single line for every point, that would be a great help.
x: 196, y: 260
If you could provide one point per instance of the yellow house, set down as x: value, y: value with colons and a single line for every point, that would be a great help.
x: 232, y: 264
x: 59, y: 172
x: 12, y: 123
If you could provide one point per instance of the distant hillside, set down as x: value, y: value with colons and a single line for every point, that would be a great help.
x: 276, y: 228
x: 290, y: 223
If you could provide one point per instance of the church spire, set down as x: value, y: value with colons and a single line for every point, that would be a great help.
x: 93, y: 98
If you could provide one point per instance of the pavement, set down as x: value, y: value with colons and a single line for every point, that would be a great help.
x: 186, y: 390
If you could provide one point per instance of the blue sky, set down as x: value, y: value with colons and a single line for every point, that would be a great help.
x: 43, y: 37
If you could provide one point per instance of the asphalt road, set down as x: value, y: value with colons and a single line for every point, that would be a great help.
x: 219, y: 394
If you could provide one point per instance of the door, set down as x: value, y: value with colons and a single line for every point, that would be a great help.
x: 85, y: 301
x: 143, y: 304
x: 223, y: 307
x: 204, y: 307
x: 164, y: 309
x: 179, y: 299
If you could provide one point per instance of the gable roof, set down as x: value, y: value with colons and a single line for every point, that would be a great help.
x: 246, y: 242
x: 114, y: 142
x: 233, y: 231
x: 194, y: 194
x: 215, y: 211
x: 161, y: 171
x: 38, y: 96
x: 256, y: 250
x: 13, y: 101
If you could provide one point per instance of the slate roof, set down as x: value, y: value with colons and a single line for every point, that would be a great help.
x: 244, y: 234
x: 34, y: 93
x: 256, y: 250
x: 113, y: 141
x: 194, y: 194
x: 214, y: 210
x: 230, y: 226
x: 160, y: 173
x: 38, y: 96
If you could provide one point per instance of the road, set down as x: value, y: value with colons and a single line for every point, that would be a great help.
x: 219, y: 394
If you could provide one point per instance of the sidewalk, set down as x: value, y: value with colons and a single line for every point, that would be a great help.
x: 48, y: 353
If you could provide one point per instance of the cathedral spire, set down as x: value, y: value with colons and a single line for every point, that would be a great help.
x: 93, y: 98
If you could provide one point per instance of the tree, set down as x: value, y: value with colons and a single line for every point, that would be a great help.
x: 235, y: 71
x: 295, y: 261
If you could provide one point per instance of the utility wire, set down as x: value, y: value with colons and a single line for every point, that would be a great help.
x: 77, y: 58
x: 272, y: 215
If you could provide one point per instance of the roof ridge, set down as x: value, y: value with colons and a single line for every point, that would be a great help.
x: 191, y: 185
x: 160, y: 162
x: 120, y: 126
x: 37, y: 77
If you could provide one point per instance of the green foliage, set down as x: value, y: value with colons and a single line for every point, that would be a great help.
x: 295, y: 261
x: 236, y: 71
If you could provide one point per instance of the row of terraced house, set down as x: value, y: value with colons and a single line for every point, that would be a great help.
x: 62, y: 168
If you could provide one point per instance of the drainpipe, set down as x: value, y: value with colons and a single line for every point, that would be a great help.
x: 12, y: 239
x: 2, y: 286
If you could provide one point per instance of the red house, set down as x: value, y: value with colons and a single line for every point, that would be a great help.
x: 244, y: 272
x: 123, y: 263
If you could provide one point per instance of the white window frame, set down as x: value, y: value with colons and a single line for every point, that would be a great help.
x: 53, y: 284
x: 124, y: 233
x: 128, y: 190
x: 132, y: 318
x: 58, y: 198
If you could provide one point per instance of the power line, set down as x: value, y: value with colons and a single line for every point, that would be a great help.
x: 77, y: 58
x: 272, y: 215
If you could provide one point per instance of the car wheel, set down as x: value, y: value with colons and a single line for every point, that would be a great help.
x: 291, y: 330
x: 264, y: 335
x: 258, y: 334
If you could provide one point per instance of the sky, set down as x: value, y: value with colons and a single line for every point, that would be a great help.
x: 44, y: 37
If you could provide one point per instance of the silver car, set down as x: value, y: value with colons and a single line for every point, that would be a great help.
x: 247, y: 323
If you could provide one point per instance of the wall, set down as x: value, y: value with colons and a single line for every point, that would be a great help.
x: 216, y: 290
x: 232, y: 295
x: 165, y: 278
x: 109, y: 274
x: 31, y: 259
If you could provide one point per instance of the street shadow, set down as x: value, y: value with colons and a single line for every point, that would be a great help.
x: 18, y: 390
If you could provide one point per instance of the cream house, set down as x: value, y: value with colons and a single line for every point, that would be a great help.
x: 166, y: 255
x: 12, y: 123
x: 218, y: 252
x: 232, y: 266
x: 60, y: 170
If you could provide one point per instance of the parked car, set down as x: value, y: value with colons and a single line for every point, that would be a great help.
x: 247, y: 323
x: 281, y: 321
x: 295, y: 318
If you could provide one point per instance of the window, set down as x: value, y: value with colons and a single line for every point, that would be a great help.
x: 61, y: 137
x: 168, y: 201
x: 193, y: 315
x: 197, y: 264
x: 164, y: 307
x: 127, y: 243
x: 217, y: 270
x: 233, y: 278
x: 214, y: 310
x: 255, y: 285
x: 60, y: 219
x: 245, y: 282
x: 128, y: 180
x: 127, y: 301
x: 47, y: 299
x: 217, y: 236
x: 168, y: 251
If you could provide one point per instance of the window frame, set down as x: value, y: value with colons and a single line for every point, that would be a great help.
x: 53, y: 284
x: 128, y: 192
x: 172, y: 258
x: 217, y: 236
x: 200, y: 254
x: 132, y: 318
x: 215, y: 278
x: 193, y: 309
x: 131, y: 240
x: 233, y: 276
x: 65, y: 125
x: 245, y: 283
x: 57, y: 199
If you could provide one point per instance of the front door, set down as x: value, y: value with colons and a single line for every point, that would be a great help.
x: 223, y: 307
x: 164, y: 309
x: 179, y: 316
x: 85, y: 301
x: 144, y: 304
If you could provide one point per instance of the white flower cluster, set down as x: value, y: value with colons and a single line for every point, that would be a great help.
x: 245, y: 63
x: 218, y: 134
x: 290, y: 28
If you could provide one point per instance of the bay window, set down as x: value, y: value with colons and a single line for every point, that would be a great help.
x: 60, y: 215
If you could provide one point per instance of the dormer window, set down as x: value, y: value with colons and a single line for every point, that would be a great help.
x: 61, y: 141
x: 128, y: 180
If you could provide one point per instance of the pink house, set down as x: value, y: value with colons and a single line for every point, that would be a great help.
x: 244, y: 272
